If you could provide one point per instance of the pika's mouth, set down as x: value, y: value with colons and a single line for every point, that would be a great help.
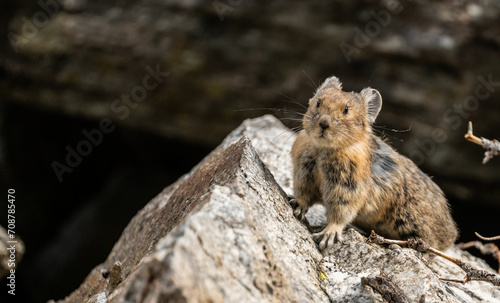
x: 321, y: 139
x: 322, y: 134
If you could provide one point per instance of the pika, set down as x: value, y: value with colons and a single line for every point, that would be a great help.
x: 360, y: 179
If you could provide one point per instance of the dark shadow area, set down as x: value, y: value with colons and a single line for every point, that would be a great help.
x: 69, y: 227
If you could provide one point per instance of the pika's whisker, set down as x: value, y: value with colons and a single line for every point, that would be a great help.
x: 290, y: 136
x: 296, y: 129
x: 281, y: 133
x: 313, y: 85
x: 385, y: 135
x: 393, y: 129
x: 300, y: 114
x: 292, y: 100
x: 347, y: 136
x: 278, y: 112
x: 260, y: 108
x: 291, y: 119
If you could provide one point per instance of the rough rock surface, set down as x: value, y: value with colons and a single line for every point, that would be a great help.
x: 225, y: 233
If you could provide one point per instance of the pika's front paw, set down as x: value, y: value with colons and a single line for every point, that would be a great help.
x: 328, y: 236
x: 298, y: 211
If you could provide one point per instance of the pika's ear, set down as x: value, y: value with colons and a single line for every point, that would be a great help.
x: 373, y: 101
x: 331, y: 81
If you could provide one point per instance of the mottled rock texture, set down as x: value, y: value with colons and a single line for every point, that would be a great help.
x: 225, y: 233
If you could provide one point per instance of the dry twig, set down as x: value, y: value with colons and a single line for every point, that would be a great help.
x: 492, y: 146
x: 471, y: 273
x: 485, y: 249
x: 487, y: 238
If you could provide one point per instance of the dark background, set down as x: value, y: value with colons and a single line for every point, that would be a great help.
x: 228, y: 60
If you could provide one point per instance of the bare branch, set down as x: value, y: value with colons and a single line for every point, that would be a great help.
x: 472, y: 273
x: 492, y: 146
x: 454, y: 280
x: 487, y: 238
x: 485, y: 249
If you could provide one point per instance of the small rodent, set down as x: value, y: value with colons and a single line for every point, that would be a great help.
x: 359, y: 178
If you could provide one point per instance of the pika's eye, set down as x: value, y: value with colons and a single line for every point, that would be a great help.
x: 318, y: 103
x: 346, y: 110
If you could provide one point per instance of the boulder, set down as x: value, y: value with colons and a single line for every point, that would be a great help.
x: 225, y: 233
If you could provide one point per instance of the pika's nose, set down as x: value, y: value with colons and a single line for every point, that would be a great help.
x: 323, y: 123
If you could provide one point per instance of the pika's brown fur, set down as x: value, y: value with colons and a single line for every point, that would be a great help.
x: 359, y: 178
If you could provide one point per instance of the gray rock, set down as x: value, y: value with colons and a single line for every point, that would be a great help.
x: 225, y: 233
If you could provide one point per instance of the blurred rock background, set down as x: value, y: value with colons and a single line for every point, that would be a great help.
x: 68, y: 66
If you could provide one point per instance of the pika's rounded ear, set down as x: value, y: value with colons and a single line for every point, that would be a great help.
x: 373, y: 101
x: 331, y: 81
